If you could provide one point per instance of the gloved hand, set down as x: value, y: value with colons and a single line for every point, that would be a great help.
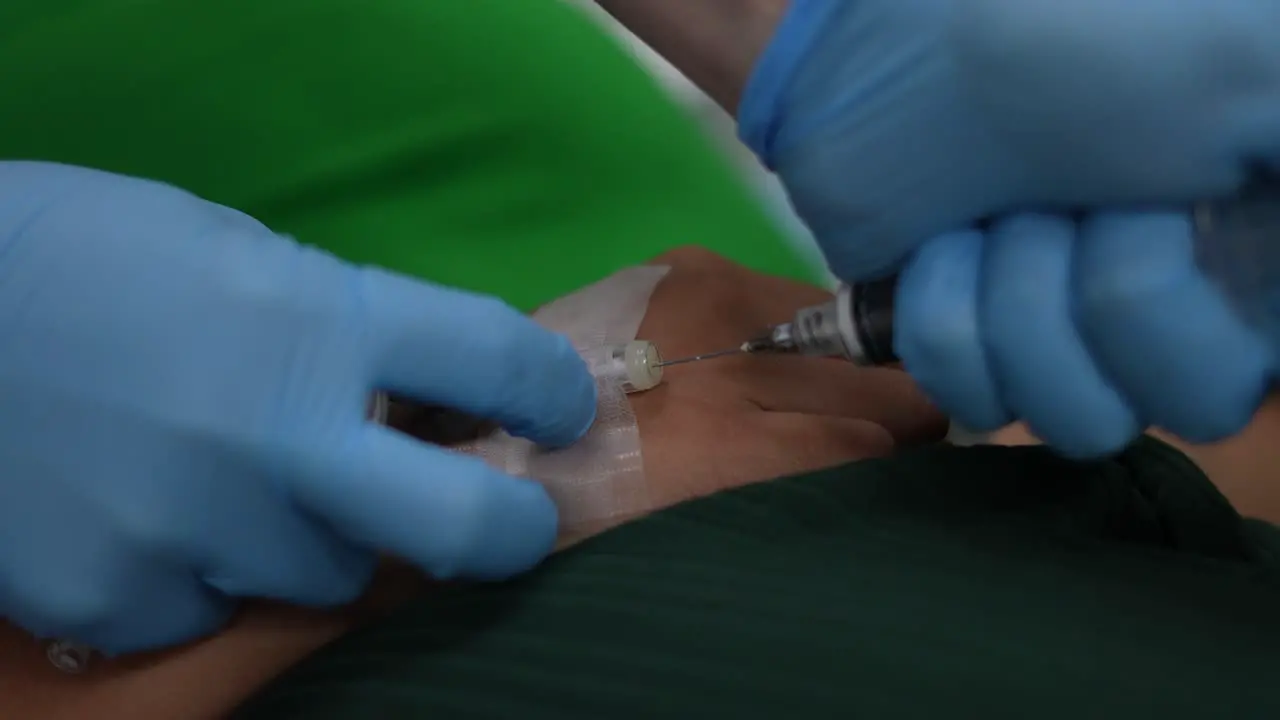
x: 183, y: 415
x: 1076, y: 132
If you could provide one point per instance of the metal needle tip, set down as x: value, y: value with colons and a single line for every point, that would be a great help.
x: 707, y: 356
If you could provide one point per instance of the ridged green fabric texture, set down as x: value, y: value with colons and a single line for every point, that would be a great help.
x: 947, y: 583
x: 505, y: 146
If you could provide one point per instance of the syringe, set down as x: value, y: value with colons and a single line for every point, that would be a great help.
x: 1237, y: 243
x: 856, y: 324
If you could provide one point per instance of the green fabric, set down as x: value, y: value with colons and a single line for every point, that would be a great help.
x: 506, y: 146
x: 972, y: 583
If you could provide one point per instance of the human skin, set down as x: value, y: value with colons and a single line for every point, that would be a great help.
x: 715, y: 43
x: 709, y: 427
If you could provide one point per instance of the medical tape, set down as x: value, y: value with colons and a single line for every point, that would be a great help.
x: 600, y: 477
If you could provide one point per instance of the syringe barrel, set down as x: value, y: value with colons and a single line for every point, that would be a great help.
x: 857, y: 324
x: 1237, y: 244
x: 872, y: 312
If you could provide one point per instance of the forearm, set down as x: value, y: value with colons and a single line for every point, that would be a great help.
x: 713, y: 42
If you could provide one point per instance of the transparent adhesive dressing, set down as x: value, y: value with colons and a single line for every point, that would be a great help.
x: 601, y: 477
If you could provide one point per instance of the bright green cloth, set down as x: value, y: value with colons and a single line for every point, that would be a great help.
x: 507, y: 146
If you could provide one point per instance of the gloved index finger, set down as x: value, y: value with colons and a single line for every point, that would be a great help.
x: 477, y: 354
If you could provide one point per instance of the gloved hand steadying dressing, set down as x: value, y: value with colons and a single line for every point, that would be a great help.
x: 1026, y: 164
x: 183, y: 415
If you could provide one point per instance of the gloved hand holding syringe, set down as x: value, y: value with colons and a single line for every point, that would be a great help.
x: 1051, y: 183
x: 1237, y: 243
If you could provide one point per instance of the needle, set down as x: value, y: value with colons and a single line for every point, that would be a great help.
x: 706, y: 356
x: 764, y: 343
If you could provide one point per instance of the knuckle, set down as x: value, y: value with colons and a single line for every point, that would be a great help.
x: 723, y: 305
x: 700, y: 307
x: 691, y: 257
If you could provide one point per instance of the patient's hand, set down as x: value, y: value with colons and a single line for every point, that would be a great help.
x: 708, y: 427
x: 732, y: 421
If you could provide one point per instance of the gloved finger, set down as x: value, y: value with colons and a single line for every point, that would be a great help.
x: 937, y: 334
x: 76, y: 602
x: 177, y: 609
x: 476, y: 354
x: 450, y: 514
x: 1161, y: 330
x: 1046, y: 375
x: 826, y: 107
x: 279, y: 553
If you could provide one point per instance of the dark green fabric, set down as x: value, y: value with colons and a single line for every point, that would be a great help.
x: 505, y: 146
x: 971, y: 583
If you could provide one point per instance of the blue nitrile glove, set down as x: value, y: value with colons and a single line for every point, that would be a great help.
x: 182, y: 415
x: 1079, y: 130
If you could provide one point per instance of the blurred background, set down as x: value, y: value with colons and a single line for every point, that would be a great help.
x: 718, y: 126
